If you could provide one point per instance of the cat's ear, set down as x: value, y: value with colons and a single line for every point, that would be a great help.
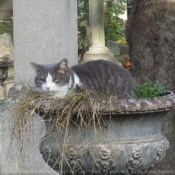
x: 36, y: 66
x: 62, y: 66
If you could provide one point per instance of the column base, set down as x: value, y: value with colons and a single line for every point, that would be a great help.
x: 97, y: 53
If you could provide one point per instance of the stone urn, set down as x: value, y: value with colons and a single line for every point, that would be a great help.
x: 128, y: 141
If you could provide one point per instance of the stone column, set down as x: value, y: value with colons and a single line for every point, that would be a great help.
x: 97, y: 49
x: 45, y: 31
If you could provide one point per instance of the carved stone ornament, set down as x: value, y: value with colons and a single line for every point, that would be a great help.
x: 50, y: 157
x: 159, y: 154
x: 74, y: 164
x: 105, y: 161
x: 137, y: 160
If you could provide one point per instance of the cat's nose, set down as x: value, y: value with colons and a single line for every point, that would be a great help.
x: 48, y: 88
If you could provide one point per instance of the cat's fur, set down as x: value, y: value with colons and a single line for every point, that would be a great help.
x: 101, y: 76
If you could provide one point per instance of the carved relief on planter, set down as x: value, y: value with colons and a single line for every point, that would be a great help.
x: 136, y: 160
x: 73, y: 162
x: 125, y: 158
x: 160, y: 151
x: 105, y: 161
x: 50, y: 157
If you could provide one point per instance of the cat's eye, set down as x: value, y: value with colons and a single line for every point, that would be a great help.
x: 41, y: 79
x: 56, y: 80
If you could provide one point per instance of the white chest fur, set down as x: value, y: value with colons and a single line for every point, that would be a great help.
x: 76, y: 80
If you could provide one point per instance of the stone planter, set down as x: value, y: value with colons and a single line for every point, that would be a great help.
x: 129, y: 140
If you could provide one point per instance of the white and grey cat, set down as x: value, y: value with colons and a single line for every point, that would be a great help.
x: 104, y: 77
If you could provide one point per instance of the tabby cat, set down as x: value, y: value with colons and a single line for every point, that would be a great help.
x: 103, y: 77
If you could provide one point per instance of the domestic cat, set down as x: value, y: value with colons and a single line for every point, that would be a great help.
x: 103, y: 77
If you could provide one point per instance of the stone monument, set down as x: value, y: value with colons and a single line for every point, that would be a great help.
x: 44, y: 32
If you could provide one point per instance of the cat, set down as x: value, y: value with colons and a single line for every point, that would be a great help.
x: 103, y: 77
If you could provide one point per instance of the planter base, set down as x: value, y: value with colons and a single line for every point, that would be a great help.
x: 115, y: 158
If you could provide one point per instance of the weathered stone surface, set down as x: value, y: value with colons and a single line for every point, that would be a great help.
x: 129, y: 124
x: 20, y: 157
x: 121, y: 106
x: 45, y: 32
x: 128, y: 142
x: 151, y: 35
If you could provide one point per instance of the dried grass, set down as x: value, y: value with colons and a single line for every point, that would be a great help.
x: 81, y: 107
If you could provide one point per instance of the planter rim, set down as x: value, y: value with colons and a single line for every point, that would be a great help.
x: 126, y: 106
x: 140, y: 105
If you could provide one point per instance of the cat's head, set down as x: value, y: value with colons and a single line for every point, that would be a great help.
x: 52, y: 79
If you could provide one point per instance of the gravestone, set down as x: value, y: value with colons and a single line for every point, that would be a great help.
x: 44, y: 32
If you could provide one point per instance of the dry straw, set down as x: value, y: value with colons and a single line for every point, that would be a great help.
x: 80, y: 109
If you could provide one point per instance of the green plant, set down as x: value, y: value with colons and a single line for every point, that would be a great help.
x: 149, y: 89
x: 113, y: 24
